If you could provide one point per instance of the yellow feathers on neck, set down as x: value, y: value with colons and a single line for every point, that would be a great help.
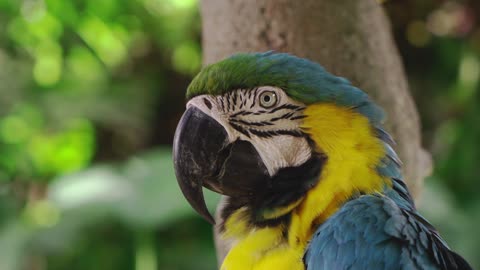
x: 353, y: 152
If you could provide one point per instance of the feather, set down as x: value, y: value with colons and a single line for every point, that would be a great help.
x: 304, y: 80
x: 407, y: 240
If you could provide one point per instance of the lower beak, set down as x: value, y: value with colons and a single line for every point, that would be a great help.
x: 204, y: 156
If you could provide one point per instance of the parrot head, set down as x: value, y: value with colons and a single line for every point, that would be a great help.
x: 260, y: 128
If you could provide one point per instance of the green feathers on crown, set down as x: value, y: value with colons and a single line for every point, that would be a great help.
x: 300, y: 78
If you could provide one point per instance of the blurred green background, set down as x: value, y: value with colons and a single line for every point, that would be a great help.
x: 90, y: 94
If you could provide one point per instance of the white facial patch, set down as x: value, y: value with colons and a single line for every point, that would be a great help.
x: 264, y: 116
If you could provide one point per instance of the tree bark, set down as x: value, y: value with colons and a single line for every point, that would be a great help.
x: 349, y: 38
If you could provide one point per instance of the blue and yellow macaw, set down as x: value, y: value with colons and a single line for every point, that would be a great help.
x: 312, y: 180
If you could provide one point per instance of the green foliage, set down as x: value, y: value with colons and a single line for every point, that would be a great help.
x: 83, y: 84
x: 70, y: 67
x: 129, y: 201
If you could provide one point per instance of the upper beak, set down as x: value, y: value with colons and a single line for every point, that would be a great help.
x: 204, y: 156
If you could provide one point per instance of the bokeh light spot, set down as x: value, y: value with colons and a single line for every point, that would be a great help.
x: 451, y: 19
x: 186, y: 58
x: 469, y: 70
x: 145, y: 257
x: 47, y: 70
x: 468, y: 76
x: 33, y: 10
x: 417, y: 34
x: 14, y: 129
x: 42, y: 214
x: 183, y: 3
x: 48, y: 65
x: 84, y: 65
x: 102, y: 38
x: 65, y: 151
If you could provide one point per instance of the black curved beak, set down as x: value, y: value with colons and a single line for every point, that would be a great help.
x: 204, y: 156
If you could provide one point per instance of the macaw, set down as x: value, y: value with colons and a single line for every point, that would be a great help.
x: 311, y: 177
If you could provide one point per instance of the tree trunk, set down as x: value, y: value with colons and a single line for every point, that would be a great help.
x: 349, y: 38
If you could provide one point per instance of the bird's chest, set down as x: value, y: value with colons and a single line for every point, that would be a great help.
x: 278, y: 259
x: 264, y: 250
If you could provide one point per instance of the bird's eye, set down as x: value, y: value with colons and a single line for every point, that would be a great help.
x: 268, y: 99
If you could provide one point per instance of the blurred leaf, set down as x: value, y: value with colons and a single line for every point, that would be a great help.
x: 101, y: 37
x: 67, y: 151
x: 186, y: 58
x: 142, y: 193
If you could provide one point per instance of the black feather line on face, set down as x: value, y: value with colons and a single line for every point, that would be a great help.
x: 300, y: 109
x: 298, y: 117
x: 284, y: 116
x: 240, y: 129
x: 285, y: 106
x: 258, y: 124
x: 241, y: 101
x: 232, y: 103
x: 254, y: 98
x: 235, y: 94
x: 260, y: 112
x: 221, y: 103
x: 244, y: 104
x: 241, y: 113
x: 271, y: 133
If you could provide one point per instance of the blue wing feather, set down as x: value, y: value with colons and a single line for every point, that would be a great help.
x: 374, y: 232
